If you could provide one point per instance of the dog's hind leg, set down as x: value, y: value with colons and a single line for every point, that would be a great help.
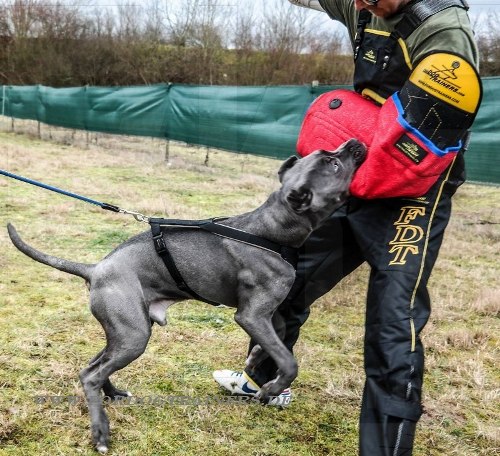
x: 118, y: 354
x: 127, y: 335
x: 108, y: 388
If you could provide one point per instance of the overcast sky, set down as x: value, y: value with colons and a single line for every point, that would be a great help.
x: 476, y: 5
x: 479, y: 9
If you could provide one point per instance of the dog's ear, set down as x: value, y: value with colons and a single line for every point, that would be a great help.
x: 299, y: 199
x: 287, y: 164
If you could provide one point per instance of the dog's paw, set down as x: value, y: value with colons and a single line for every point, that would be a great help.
x: 112, y: 394
x: 269, y: 390
x: 262, y: 397
x: 117, y: 396
x: 101, y: 448
x: 100, y: 434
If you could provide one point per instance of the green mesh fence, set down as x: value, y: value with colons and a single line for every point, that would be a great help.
x: 257, y: 120
x: 483, y: 156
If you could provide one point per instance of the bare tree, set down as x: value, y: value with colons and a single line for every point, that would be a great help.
x: 245, y: 40
x: 40, y: 37
x: 154, y: 22
x: 488, y: 39
x: 130, y: 21
x: 19, y: 18
x: 194, y: 41
x: 196, y: 26
x: 180, y: 20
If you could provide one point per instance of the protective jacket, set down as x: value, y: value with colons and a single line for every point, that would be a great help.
x: 419, y: 111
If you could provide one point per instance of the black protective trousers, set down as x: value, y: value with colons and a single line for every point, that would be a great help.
x: 400, y: 239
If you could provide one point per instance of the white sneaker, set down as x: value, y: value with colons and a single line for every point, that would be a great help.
x: 241, y: 384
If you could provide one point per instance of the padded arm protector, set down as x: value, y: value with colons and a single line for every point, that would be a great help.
x: 412, y: 138
x: 313, y: 4
x: 421, y: 129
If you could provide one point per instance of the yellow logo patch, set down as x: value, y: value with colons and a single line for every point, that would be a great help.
x: 411, y: 149
x: 370, y: 56
x: 451, y: 79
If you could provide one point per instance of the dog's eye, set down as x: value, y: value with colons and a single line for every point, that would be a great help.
x: 335, y: 164
x: 332, y: 161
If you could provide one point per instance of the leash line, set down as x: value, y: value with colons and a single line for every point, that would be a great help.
x: 106, y: 206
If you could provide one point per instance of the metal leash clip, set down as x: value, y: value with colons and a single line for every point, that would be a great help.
x: 137, y: 215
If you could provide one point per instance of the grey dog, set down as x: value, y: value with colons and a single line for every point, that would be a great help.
x: 131, y: 288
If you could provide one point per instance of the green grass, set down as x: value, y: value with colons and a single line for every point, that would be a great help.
x: 47, y: 333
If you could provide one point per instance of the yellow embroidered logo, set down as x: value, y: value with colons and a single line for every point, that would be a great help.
x: 410, y: 149
x: 449, y: 78
x: 446, y: 76
x: 407, y: 235
x: 370, y: 56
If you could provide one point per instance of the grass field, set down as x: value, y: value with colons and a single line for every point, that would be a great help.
x: 47, y: 333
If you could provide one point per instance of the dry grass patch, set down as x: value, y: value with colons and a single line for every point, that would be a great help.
x: 488, y: 303
x: 47, y: 333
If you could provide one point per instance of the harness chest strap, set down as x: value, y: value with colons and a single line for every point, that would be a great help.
x: 162, y: 250
x: 289, y: 254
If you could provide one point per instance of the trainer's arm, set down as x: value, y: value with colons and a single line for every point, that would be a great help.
x: 313, y: 4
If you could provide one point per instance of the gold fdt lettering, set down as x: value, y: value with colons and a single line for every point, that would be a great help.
x: 407, y: 235
x: 401, y: 251
x: 409, y: 213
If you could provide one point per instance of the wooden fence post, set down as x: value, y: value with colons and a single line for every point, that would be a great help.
x: 207, y: 156
x: 167, y: 152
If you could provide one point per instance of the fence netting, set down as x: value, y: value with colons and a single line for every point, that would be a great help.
x: 263, y: 120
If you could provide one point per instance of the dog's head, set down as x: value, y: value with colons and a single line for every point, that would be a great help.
x: 318, y: 184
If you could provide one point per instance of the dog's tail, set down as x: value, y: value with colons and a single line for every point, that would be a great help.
x: 78, y: 269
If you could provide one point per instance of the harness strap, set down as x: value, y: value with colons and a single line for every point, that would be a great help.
x: 289, y: 254
x: 422, y: 10
x: 162, y: 250
x: 364, y: 19
x: 418, y: 11
x: 415, y: 13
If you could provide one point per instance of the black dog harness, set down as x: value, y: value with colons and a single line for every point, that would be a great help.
x: 289, y: 254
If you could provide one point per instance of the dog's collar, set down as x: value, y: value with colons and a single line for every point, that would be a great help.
x: 289, y: 254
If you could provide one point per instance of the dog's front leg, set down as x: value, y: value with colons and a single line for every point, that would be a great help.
x: 257, y: 355
x: 255, y: 319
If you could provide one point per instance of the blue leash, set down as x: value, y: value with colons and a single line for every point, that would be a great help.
x: 108, y: 207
